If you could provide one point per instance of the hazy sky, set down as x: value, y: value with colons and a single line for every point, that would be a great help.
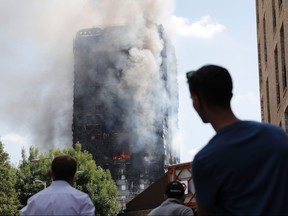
x: 219, y: 32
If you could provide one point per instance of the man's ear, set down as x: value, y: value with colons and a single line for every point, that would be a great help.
x: 182, y: 198
x: 196, y: 102
x: 51, y: 174
x: 165, y: 196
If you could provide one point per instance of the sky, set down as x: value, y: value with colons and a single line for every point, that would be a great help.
x: 203, y: 32
x: 224, y: 33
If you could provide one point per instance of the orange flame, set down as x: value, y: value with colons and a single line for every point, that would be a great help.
x: 123, y: 155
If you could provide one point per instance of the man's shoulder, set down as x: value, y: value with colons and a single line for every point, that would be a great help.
x: 263, y: 125
x: 172, y: 209
x: 245, y: 130
x: 37, y: 195
x: 77, y: 193
x: 269, y: 131
x: 60, y: 189
x: 229, y: 139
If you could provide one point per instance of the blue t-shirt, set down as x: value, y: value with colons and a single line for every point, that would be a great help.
x: 243, y: 170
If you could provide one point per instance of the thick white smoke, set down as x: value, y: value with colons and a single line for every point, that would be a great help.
x: 36, y: 78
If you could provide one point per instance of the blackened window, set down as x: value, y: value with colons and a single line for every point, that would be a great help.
x: 283, y: 61
x: 277, y: 76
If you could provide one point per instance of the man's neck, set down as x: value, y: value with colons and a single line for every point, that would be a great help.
x: 69, y: 181
x: 223, y: 119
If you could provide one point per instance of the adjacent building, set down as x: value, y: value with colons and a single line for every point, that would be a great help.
x: 272, y: 35
x: 126, y: 103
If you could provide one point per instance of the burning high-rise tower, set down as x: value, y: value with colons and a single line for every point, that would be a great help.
x: 126, y: 103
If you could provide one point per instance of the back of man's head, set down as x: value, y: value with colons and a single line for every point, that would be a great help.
x: 174, y: 189
x: 64, y: 168
x: 211, y: 83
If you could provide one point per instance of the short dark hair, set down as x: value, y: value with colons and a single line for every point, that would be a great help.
x: 63, y: 167
x: 211, y: 83
x: 174, y: 189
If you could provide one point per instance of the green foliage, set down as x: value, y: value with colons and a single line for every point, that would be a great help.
x: 97, y: 183
x: 9, y: 203
x: 89, y: 178
x: 35, y: 167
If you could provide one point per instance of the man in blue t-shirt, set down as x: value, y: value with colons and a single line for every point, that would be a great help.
x: 243, y: 170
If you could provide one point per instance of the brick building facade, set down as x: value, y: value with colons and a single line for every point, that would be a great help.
x: 272, y: 36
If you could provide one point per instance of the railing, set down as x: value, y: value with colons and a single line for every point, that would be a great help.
x: 183, y: 173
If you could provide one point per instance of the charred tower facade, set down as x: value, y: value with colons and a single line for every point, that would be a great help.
x: 126, y: 103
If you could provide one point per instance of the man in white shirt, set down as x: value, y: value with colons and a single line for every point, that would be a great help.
x: 60, y: 198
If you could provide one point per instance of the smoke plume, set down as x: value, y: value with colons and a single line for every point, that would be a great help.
x: 36, y: 79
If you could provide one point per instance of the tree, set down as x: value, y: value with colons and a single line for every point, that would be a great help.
x: 31, y: 170
x: 9, y: 203
x: 96, y: 182
x: 89, y: 178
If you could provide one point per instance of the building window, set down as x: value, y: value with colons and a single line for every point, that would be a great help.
x: 286, y: 120
x: 259, y: 62
x: 279, y: 3
x: 257, y: 12
x: 265, y: 39
x: 98, y: 136
x: 273, y: 15
x: 283, y: 61
x: 277, y: 76
x: 262, y: 109
x: 268, y: 101
x: 123, y: 187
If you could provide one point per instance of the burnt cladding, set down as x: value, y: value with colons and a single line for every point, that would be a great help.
x: 106, y: 114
